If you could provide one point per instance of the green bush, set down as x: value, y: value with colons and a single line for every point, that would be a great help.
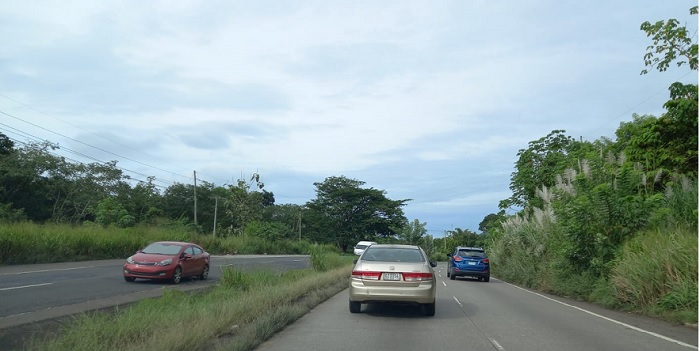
x: 26, y: 242
x: 669, y: 280
x: 235, y: 279
x: 323, y: 258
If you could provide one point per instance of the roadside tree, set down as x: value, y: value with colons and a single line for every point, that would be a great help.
x: 346, y: 213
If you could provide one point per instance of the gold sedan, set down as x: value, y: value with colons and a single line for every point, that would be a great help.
x: 393, y: 273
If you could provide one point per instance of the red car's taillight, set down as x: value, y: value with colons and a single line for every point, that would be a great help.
x: 417, y: 277
x: 364, y: 275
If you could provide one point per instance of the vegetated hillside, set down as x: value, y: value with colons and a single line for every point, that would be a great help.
x: 613, y: 221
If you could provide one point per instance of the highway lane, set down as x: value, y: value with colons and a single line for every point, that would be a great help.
x: 31, y: 293
x: 473, y: 315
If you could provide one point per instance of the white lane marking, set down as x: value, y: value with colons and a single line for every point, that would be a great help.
x: 496, y: 344
x: 609, y: 319
x: 49, y: 270
x: 443, y: 284
x: 24, y: 286
x: 457, y: 301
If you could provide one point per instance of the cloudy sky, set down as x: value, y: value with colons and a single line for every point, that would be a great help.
x: 427, y: 100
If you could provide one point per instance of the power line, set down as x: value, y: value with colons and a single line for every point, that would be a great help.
x: 86, y: 156
x: 90, y: 132
x: 88, y: 145
x: 631, y: 109
x: 102, y: 137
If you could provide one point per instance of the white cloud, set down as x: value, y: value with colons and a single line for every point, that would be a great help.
x: 420, y: 98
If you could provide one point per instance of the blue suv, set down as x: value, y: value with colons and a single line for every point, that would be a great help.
x: 468, y: 262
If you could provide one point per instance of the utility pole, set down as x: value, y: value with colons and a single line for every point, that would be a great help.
x: 299, y: 224
x: 444, y: 240
x: 195, y: 198
x: 216, y: 206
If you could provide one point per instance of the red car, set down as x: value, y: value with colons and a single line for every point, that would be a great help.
x: 168, y: 260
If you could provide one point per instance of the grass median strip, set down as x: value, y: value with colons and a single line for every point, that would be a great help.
x: 243, y: 311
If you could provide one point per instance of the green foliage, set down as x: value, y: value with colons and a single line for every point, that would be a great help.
x: 492, y: 220
x: 324, y: 259
x: 269, y: 231
x: 671, y: 42
x: 222, y: 317
x: 144, y: 202
x: 464, y: 237
x: 111, y: 212
x: 526, y: 248
x: 234, y: 279
x: 592, y: 238
x: 678, y: 128
x: 675, y: 133
x: 25, y: 242
x: 538, y: 166
x: 669, y: 280
x: 412, y: 233
x: 597, y: 219
x: 679, y: 205
x: 344, y: 213
x: 11, y: 215
x: 245, y: 202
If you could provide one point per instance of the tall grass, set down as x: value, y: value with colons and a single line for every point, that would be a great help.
x: 669, y: 281
x: 232, y: 316
x: 22, y: 243
x: 26, y: 243
x: 527, y: 250
x: 324, y: 258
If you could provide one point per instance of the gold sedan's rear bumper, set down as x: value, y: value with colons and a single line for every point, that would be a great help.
x: 422, y: 293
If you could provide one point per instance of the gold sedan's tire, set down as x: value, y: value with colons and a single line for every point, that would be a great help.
x: 429, y: 309
x: 355, y: 306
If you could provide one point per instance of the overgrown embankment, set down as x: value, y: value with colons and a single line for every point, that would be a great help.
x: 580, y: 246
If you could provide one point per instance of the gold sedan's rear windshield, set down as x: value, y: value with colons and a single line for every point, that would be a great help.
x: 393, y: 255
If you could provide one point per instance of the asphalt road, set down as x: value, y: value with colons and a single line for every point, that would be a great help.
x: 473, y: 315
x: 33, y: 293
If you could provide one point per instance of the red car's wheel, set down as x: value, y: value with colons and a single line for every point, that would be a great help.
x: 205, y: 273
x: 177, y: 275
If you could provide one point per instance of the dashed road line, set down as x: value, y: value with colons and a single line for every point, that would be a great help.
x: 24, y: 286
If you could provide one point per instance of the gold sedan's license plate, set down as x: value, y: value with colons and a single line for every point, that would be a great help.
x: 391, y: 276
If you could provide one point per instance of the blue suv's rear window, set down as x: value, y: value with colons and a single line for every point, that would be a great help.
x: 471, y: 253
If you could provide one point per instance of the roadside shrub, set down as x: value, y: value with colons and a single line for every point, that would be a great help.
x: 324, y: 259
x: 669, y: 280
x: 318, y: 259
x: 235, y: 279
x: 269, y: 231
